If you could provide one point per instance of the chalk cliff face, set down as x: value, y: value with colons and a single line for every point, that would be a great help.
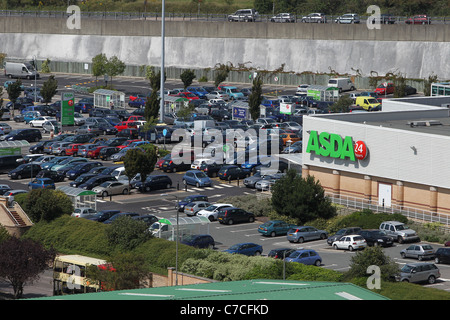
x: 411, y: 50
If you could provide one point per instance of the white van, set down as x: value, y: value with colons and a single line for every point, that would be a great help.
x: 118, y: 173
x: 343, y: 84
x: 20, y: 70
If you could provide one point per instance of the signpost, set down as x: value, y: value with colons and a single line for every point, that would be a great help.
x: 67, y: 109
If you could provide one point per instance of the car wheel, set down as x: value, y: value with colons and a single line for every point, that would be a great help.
x: 19, y: 177
x: 420, y: 258
x: 300, y: 240
x: 257, y: 253
x: 400, y: 240
x: 211, y: 246
x: 317, y: 263
x: 125, y: 191
x: 174, y: 170
x: 104, y: 194
x: 147, y: 189
x: 168, y: 186
x: 436, y: 260
x: 211, y: 218
x: 403, y: 255
x: 431, y: 279
x: 335, y: 247
x: 251, y: 219
x: 197, y: 185
x: 230, y: 222
x: 323, y: 236
x: 273, y: 234
x: 350, y: 248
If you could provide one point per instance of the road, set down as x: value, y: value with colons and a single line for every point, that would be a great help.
x: 162, y: 203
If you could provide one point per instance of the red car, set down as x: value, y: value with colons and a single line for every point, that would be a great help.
x: 127, y: 143
x: 125, y: 125
x: 420, y: 19
x: 72, y: 149
x: 382, y: 90
x: 136, y: 118
x: 95, y: 153
x: 187, y: 95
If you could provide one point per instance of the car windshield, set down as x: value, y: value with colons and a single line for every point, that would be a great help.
x: 105, y: 184
x: 235, y: 247
x: 211, y: 208
x: 401, y: 227
x: 407, y: 268
x: 294, y: 254
x: 200, y: 175
x: 427, y: 247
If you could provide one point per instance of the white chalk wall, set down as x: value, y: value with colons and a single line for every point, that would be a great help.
x: 413, y: 59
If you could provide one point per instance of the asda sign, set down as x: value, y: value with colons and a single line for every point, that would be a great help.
x: 332, y: 145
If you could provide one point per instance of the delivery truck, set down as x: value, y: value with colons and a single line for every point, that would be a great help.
x: 20, y: 70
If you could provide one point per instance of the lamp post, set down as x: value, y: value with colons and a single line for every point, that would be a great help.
x: 161, y: 89
x: 177, y: 235
x: 35, y: 77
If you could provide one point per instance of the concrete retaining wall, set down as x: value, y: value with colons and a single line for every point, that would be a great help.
x: 414, y: 51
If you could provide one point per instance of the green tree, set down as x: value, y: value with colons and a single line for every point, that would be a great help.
x: 99, y: 65
x: 114, y: 66
x: 126, y: 233
x: 222, y: 71
x: 187, y: 76
x: 342, y: 105
x: 301, y: 198
x: 45, y: 204
x: 22, y: 261
x: 49, y: 89
x: 14, y: 90
x: 140, y: 161
x: 152, y: 104
x: 255, y: 98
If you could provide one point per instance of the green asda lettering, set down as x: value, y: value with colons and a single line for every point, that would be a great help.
x: 330, y: 145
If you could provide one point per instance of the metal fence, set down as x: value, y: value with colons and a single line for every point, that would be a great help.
x: 411, y: 213
x: 176, y: 16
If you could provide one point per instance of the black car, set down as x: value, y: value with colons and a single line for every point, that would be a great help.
x: 26, y: 170
x: 211, y: 169
x: 30, y: 135
x: 102, y: 216
x: 106, y: 153
x: 442, y: 255
x: 79, y: 138
x: 121, y: 214
x: 232, y: 215
x: 39, y: 147
x: 113, y: 142
x: 149, y: 219
x: 154, y: 182
x: 81, y: 179
x: 192, y: 198
x: 170, y: 165
x: 375, y: 237
x: 280, y: 253
x: 129, y: 133
x: 232, y: 172
x: 81, y: 168
x: 342, y: 232
x: 50, y: 174
x: 96, y: 181
x: 8, y: 162
x: 199, y: 241
x: 274, y: 166
x: 410, y: 90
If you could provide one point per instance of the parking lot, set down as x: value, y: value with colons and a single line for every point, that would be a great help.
x: 162, y: 203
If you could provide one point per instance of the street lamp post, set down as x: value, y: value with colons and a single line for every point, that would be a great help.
x: 177, y: 235
x: 161, y: 89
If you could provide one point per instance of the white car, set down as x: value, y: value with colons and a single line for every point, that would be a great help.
x: 196, y: 164
x: 218, y: 95
x: 212, y: 211
x: 350, y: 242
x: 39, y: 121
x: 83, y: 212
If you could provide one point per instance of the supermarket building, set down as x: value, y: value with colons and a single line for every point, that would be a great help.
x: 397, y: 159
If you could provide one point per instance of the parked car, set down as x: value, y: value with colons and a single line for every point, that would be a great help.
x: 154, y: 182
x: 399, y: 231
x: 418, y: 251
x: 96, y: 181
x: 30, y: 135
x: 192, y: 208
x: 196, y: 197
x: 10, y: 194
x: 275, y: 228
x: 305, y: 233
x: 53, y: 175
x: 131, y: 215
x: 348, y: 18
x: 149, y: 219
x: 103, y: 215
x: 212, y: 211
x: 83, y: 212
x: 350, y: 242
x: 280, y: 253
x: 382, y: 89
x: 39, y: 121
x: 5, y: 128
x: 197, y: 178
x: 89, y: 128
x: 110, y: 188
x: 232, y: 172
x: 442, y: 255
x: 315, y: 17
x: 211, y: 169
x: 42, y: 183
x: 296, y: 147
x: 419, y: 272
x: 199, y: 241
x: 342, y: 232
x: 82, y: 178
x: 376, y: 237
x: 80, y: 168
x: 410, y: 90
x: 248, y: 249
x: 25, y: 170
x: 305, y: 256
x: 107, y: 152
x: 232, y: 215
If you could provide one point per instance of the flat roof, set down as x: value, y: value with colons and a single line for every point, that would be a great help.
x: 430, y: 125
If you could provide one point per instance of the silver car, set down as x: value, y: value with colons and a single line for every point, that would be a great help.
x: 192, y: 208
x: 419, y: 272
x: 418, y: 251
x: 109, y: 188
x: 5, y: 128
x: 305, y: 233
x: 218, y: 95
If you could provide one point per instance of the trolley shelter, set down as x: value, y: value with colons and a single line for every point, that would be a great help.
x: 80, y: 198
x: 173, y: 104
x: 104, y: 98
x: 323, y: 93
x: 14, y: 148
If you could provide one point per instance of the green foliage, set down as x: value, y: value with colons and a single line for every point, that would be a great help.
x: 301, y: 198
x: 99, y: 65
x: 45, y: 67
x: 126, y: 233
x: 45, y: 204
x: 114, y: 66
x: 255, y: 98
x: 372, y: 256
x: 260, y: 207
x: 222, y: 71
x: 137, y: 161
x: 49, y: 89
x: 187, y: 76
x: 14, y: 90
x: 432, y: 78
x: 342, y: 105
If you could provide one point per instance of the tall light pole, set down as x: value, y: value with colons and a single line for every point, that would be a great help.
x: 176, y: 240
x: 161, y: 89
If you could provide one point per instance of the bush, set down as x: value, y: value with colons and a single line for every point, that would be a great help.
x: 260, y: 207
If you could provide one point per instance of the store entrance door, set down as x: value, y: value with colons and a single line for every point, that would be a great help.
x: 384, y: 194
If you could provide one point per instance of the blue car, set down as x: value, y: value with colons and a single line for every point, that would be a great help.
x: 274, y: 228
x: 83, y: 107
x: 247, y: 248
x: 198, y: 91
x: 305, y: 256
x: 137, y: 103
x: 197, y: 178
x: 41, y: 183
x: 195, y: 197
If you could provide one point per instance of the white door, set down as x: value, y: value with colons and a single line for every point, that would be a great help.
x: 384, y: 194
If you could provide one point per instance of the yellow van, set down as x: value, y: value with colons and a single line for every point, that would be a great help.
x: 367, y: 102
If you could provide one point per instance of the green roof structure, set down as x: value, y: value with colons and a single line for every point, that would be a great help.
x: 238, y: 290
